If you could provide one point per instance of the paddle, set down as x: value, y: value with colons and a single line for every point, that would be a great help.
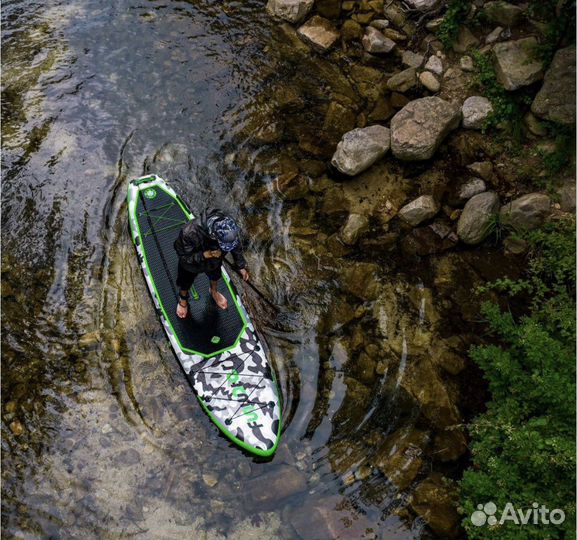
x: 253, y: 287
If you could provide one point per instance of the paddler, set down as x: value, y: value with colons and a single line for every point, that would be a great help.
x: 201, y: 246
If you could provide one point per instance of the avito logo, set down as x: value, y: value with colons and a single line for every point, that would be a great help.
x: 537, y: 515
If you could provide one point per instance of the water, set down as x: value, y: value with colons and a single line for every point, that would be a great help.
x: 102, y: 438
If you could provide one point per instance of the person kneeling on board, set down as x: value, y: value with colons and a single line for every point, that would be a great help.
x: 201, y: 246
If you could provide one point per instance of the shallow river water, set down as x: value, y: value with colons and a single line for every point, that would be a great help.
x: 101, y: 436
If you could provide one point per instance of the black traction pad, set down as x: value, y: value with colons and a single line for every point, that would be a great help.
x: 207, y: 329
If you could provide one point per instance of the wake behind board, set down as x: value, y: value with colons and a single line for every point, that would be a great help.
x: 219, y: 350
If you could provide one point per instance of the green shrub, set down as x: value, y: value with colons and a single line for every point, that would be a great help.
x: 508, y: 107
x: 523, y: 446
x: 454, y: 15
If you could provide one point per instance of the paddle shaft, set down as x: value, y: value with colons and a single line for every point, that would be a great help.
x: 233, y: 267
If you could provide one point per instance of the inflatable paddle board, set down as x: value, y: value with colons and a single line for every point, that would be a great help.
x: 219, y: 350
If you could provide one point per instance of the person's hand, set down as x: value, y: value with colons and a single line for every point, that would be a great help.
x: 212, y: 254
x: 244, y: 274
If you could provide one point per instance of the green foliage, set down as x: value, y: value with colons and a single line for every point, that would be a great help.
x: 454, y: 15
x: 559, y: 16
x: 523, y: 446
x: 507, y: 106
x: 564, y: 151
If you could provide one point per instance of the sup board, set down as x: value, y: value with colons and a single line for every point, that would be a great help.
x: 219, y: 350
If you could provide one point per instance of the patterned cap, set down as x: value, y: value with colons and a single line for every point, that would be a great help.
x: 225, y: 232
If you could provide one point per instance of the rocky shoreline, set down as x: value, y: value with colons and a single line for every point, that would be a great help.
x: 393, y: 154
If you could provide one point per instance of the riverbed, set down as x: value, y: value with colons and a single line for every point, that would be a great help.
x: 101, y: 436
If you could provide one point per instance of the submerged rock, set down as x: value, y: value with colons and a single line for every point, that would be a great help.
x: 475, y: 222
x: 419, y: 210
x: 351, y: 30
x: 434, y: 238
x: 400, y: 456
x: 476, y: 110
x: 360, y: 148
x: 360, y: 280
x: 275, y: 485
x: 434, y: 500
x: 318, y: 32
x: 375, y: 42
x: 355, y: 226
x: 515, y: 63
x: 331, y: 517
x: 293, y: 11
x: 418, y: 129
x: 556, y: 99
x: 526, y: 212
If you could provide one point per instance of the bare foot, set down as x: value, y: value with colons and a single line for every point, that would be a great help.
x: 182, y: 309
x: 220, y: 300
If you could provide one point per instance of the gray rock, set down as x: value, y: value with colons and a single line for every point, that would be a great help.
x: 534, y: 125
x: 360, y: 148
x: 471, y: 188
x: 355, y: 226
x: 556, y: 99
x: 419, y: 210
x: 435, y: 65
x: 375, y: 42
x: 494, y: 35
x: 380, y: 24
x: 429, y: 81
x: 318, y: 32
x: 466, y: 64
x: 476, y: 110
x: 403, y: 81
x: 482, y: 168
x: 515, y: 63
x: 418, y: 129
x: 423, y: 5
x: 526, y: 212
x: 503, y: 13
x: 567, y: 196
x: 465, y: 40
x: 434, y: 25
x: 475, y: 221
x: 293, y: 11
x: 411, y: 59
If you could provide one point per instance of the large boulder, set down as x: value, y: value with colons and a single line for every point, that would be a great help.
x: 293, y: 11
x: 556, y: 99
x: 476, y: 111
x: 319, y: 33
x: 515, y: 63
x: 434, y: 499
x: 419, y: 210
x: 526, y: 212
x: 475, y: 221
x: 375, y: 42
x: 360, y: 148
x: 503, y: 13
x: 418, y: 129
